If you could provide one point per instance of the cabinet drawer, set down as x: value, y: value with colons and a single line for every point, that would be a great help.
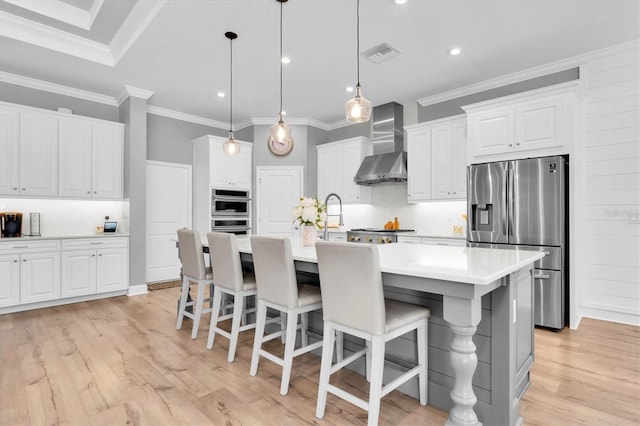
x: 409, y: 240
x: 444, y: 242
x: 21, y: 246
x: 94, y: 243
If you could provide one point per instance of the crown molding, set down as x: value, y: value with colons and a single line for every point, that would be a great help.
x: 527, y: 74
x: 177, y: 115
x: 130, y: 91
x: 61, y: 11
x: 32, y: 32
x: 133, y: 26
x: 46, y: 86
x: 268, y: 121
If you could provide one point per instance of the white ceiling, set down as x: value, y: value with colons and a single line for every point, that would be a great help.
x: 177, y: 48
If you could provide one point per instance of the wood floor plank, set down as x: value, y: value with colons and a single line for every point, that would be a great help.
x: 121, y: 361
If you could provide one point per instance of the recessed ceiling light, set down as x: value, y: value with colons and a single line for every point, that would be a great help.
x: 400, y: 1
x: 349, y: 89
x: 455, y: 51
x: 221, y: 94
x: 285, y: 60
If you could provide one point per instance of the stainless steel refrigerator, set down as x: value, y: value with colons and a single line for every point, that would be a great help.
x: 522, y: 204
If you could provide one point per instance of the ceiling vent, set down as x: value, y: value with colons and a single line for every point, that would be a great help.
x: 380, y: 53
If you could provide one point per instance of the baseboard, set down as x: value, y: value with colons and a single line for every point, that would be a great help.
x: 137, y: 290
x: 603, y: 315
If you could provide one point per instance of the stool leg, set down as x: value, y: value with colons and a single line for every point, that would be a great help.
x: 367, y: 361
x: 261, y: 318
x: 423, y: 378
x: 375, y: 388
x: 215, y: 313
x: 304, y: 339
x: 283, y: 327
x: 289, y: 346
x: 183, y: 301
x: 238, y: 302
x: 339, y: 346
x: 196, y: 316
x: 328, y: 340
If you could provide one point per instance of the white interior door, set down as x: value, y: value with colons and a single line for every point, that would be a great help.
x: 279, y: 190
x: 168, y: 209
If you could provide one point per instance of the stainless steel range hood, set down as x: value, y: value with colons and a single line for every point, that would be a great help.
x: 389, y: 161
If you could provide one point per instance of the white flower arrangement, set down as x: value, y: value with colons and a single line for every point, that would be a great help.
x: 310, y: 212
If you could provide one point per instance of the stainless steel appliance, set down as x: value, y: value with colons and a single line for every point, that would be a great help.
x: 231, y: 211
x: 375, y: 235
x: 522, y: 204
x: 11, y: 224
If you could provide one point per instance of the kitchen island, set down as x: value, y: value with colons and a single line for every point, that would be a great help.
x: 479, y: 299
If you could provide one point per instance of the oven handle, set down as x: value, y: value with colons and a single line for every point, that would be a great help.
x: 229, y: 198
x: 230, y: 228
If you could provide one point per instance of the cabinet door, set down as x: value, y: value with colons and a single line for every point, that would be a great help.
x: 38, y: 154
x: 9, y: 280
x: 222, y: 166
x: 441, y: 159
x: 418, y: 155
x: 74, y: 139
x: 491, y: 132
x: 242, y: 169
x: 40, y: 277
x: 78, y: 273
x: 9, y: 151
x: 112, y: 270
x: 459, y: 159
x: 353, y: 153
x: 330, y: 171
x: 537, y: 125
x: 107, y: 161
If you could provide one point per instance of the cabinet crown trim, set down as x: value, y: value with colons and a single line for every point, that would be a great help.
x: 342, y: 141
x: 423, y: 124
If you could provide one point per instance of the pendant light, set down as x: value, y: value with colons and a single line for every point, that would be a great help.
x: 231, y: 146
x: 280, y: 132
x: 358, y: 109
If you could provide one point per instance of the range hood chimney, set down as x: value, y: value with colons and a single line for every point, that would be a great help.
x: 389, y: 161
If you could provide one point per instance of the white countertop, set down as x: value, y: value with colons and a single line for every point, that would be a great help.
x: 471, y: 265
x: 59, y: 237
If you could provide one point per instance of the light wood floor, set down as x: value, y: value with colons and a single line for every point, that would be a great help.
x: 120, y: 361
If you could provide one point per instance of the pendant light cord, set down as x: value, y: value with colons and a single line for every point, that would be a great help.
x: 280, y: 112
x: 358, y: 39
x: 231, y: 86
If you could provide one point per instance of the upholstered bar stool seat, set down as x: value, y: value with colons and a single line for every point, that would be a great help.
x: 193, y: 270
x: 353, y: 302
x: 278, y: 289
x: 229, y: 280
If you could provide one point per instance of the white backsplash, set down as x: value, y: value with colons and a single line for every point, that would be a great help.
x: 389, y: 200
x: 69, y: 217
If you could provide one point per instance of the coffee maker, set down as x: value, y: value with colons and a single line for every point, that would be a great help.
x: 11, y: 224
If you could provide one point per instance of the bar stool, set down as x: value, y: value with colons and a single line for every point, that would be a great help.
x: 228, y: 279
x: 193, y: 269
x: 278, y: 289
x: 353, y: 302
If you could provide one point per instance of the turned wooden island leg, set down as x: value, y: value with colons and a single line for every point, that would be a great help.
x: 463, y: 316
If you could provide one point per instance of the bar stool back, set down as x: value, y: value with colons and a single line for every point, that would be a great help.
x: 278, y: 289
x: 353, y: 302
x: 193, y: 270
x: 228, y: 279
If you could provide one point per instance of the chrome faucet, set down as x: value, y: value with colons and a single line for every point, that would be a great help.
x: 325, y: 236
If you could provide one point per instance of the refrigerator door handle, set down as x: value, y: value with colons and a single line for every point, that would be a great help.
x: 541, y: 276
x: 510, y: 202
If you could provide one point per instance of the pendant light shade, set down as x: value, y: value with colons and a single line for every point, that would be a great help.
x: 231, y: 146
x: 358, y: 109
x: 281, y: 132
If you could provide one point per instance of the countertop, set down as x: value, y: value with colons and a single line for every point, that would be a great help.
x: 472, y: 265
x: 407, y: 234
x: 25, y: 238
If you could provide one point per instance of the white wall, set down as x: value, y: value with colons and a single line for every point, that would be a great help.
x: 69, y: 217
x: 389, y: 200
x: 608, y: 210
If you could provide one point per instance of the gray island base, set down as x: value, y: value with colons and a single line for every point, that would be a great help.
x: 480, y: 330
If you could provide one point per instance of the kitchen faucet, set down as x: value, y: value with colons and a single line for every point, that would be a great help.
x: 325, y: 236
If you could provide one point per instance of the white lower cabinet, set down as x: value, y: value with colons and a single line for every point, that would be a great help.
x: 95, y: 265
x: 29, y: 272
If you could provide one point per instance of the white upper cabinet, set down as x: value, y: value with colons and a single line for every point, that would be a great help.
x: 91, y: 157
x: 47, y: 153
x: 539, y: 122
x: 38, y: 154
x: 338, y: 163
x: 436, y: 153
x: 229, y: 171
